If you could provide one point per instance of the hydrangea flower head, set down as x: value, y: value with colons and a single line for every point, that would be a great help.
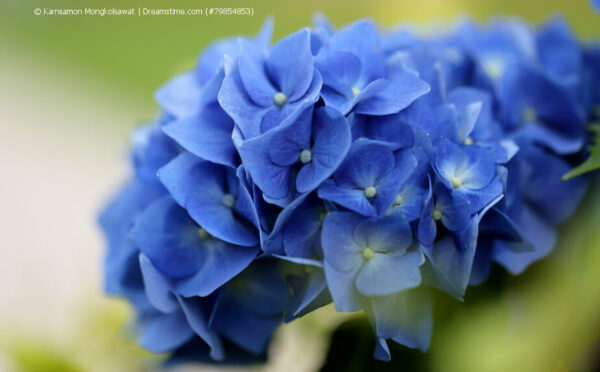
x: 361, y: 167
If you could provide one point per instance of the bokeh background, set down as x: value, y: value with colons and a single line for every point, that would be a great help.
x: 71, y: 90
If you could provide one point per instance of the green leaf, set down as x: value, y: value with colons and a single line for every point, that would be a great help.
x: 593, y: 162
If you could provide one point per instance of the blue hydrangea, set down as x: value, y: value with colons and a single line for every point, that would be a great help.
x: 358, y: 166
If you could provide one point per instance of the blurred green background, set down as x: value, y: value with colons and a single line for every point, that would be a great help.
x: 72, y: 88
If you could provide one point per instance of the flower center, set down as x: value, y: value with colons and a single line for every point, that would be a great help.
x: 355, y: 91
x: 468, y: 141
x: 455, y: 182
x: 203, y: 234
x: 399, y: 200
x: 280, y: 99
x: 370, y: 192
x: 228, y: 200
x: 305, y: 157
x: 368, y: 253
x: 529, y: 114
x: 494, y: 68
x: 437, y: 214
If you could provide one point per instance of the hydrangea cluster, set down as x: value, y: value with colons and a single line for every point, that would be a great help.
x: 360, y: 166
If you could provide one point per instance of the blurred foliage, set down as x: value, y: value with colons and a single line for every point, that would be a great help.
x: 593, y: 161
x: 98, y: 341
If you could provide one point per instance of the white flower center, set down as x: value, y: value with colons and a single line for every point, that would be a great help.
x: 203, y: 234
x: 305, y: 157
x: 368, y: 253
x: 494, y: 68
x: 437, y: 214
x: 529, y: 115
x: 280, y: 99
x: 228, y: 200
x: 370, y: 192
x: 455, y: 182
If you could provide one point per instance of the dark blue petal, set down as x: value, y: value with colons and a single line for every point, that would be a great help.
x: 313, y: 294
x: 450, y: 261
x: 197, y: 320
x: 536, y: 232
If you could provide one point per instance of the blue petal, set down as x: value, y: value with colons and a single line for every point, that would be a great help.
x: 473, y: 107
x: 290, y: 64
x: 350, y: 198
x: 342, y: 288
x: 180, y: 97
x: 473, y: 165
x: 413, y: 198
x: 198, y: 322
x: 427, y: 228
x: 389, y: 272
x: 199, y: 186
x: 455, y: 208
x: 451, y: 260
x: 366, y: 163
x: 301, y: 237
x: 561, y: 144
x: 253, y: 75
x: 290, y: 138
x: 223, y: 262
x: 236, y: 102
x: 207, y: 135
x: 382, y: 351
x: 340, y: 71
x: 165, y: 233
x: 162, y: 333
x: 399, y: 91
x: 332, y: 138
x: 310, y: 294
x: 158, y: 288
x: 362, y: 40
x: 390, y: 129
x: 406, y: 317
x: 536, y: 232
x: 385, y: 234
x: 340, y: 248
